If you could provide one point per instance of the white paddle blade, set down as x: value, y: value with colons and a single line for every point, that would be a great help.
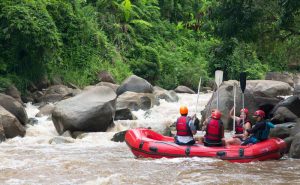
x: 218, y: 77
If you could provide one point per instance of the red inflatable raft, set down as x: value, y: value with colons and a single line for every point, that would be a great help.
x: 145, y: 143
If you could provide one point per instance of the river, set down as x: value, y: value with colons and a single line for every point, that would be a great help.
x: 95, y: 160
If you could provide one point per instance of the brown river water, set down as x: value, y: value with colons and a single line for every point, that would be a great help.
x: 95, y: 160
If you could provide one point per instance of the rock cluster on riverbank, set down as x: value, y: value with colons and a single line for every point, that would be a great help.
x: 96, y: 107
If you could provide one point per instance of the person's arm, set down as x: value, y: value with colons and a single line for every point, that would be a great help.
x: 205, y: 122
x: 247, y: 127
x: 192, y: 127
x: 235, y: 118
x: 231, y: 113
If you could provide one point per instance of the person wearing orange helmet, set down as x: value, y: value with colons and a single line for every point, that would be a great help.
x: 214, y: 135
x: 242, y: 123
x: 261, y: 129
x: 185, y: 128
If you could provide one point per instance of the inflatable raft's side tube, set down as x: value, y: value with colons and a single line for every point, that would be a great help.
x: 149, y: 144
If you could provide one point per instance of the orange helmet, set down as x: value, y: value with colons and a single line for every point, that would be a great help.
x: 184, y: 110
x: 216, y: 114
x: 245, y: 110
x: 260, y: 113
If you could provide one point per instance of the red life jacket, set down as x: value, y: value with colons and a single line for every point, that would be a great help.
x: 214, y: 130
x: 182, y: 126
x: 239, y: 129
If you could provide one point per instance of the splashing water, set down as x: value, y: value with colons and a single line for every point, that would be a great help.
x: 43, y: 157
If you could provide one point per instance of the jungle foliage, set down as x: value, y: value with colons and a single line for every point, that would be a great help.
x: 168, y: 42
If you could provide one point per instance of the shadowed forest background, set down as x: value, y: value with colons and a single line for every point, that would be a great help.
x: 167, y: 42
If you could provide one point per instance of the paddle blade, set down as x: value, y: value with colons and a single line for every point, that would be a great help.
x: 243, y: 78
x: 218, y: 77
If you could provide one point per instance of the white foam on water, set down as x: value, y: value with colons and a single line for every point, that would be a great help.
x: 182, y: 159
x: 159, y: 117
x: 110, y: 180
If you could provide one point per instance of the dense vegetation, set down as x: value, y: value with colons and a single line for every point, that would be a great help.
x: 167, y: 42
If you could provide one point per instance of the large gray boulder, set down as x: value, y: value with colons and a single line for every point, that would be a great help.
x: 295, y: 147
x: 90, y: 111
x: 287, y: 110
x: 14, y: 92
x: 56, y: 93
x: 255, y: 98
x: 14, y: 107
x: 135, y: 84
x: 135, y: 101
x: 184, y: 89
x: 288, y: 141
x: 11, y: 125
x: 297, y: 84
x: 278, y: 76
x: 169, y: 96
x: 269, y: 88
x: 296, y: 128
x: 111, y: 85
x: 282, y: 130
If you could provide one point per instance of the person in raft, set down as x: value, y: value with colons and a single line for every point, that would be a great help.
x: 214, y: 135
x: 206, y: 120
x: 260, y: 130
x: 185, y: 128
x: 242, y: 123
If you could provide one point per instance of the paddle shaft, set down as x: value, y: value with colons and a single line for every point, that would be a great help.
x: 234, y: 104
x: 243, y: 78
x: 218, y: 79
x: 199, y: 85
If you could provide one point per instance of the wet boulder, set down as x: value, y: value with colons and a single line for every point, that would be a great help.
x: 124, y: 114
x: 295, y: 147
x: 135, y: 84
x: 169, y: 96
x: 56, y: 93
x: 135, y: 101
x: 11, y: 125
x: 14, y: 92
x: 287, y: 110
x: 119, y: 137
x: 184, y: 89
x: 90, y: 111
x: 278, y: 76
x: 297, y: 84
x: 282, y: 130
x: 296, y: 128
x: 105, y: 76
x: 269, y: 88
x: 288, y: 142
x: 45, y: 110
x: 14, y: 107
x: 107, y: 84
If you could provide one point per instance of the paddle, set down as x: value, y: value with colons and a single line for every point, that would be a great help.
x: 243, y: 78
x: 199, y: 85
x: 234, y: 96
x: 196, y: 120
x: 218, y: 80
